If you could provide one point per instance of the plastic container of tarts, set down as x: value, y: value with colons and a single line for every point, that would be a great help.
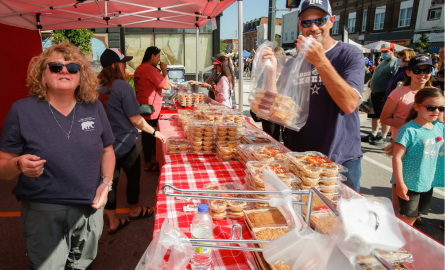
x: 268, y: 152
x: 225, y: 126
x: 227, y: 147
x: 256, y: 167
x: 315, y: 164
x: 255, y: 139
x: 177, y: 145
x: 332, y: 180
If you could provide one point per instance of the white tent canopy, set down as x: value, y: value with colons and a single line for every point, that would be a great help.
x: 72, y: 14
x: 377, y: 45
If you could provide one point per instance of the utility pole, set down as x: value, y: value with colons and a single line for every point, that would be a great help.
x: 271, y: 23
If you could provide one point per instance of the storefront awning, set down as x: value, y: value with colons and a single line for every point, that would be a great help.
x: 87, y: 14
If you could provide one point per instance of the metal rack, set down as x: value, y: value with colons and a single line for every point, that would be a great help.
x: 310, y: 193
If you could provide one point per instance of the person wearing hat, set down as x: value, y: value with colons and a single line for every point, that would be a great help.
x: 123, y: 112
x: 212, y: 79
x: 224, y: 88
x: 149, y: 83
x: 418, y: 76
x: 379, y: 82
x: 337, y: 75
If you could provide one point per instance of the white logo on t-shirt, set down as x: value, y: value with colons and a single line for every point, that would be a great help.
x: 87, y: 123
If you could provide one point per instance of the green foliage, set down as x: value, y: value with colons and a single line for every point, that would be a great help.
x: 78, y: 37
x: 222, y: 46
x: 423, y: 43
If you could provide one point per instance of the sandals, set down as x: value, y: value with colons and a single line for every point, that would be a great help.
x: 121, y: 226
x: 152, y: 167
x: 147, y: 166
x: 148, y: 213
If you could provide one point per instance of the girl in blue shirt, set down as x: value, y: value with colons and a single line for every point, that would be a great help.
x: 416, y: 153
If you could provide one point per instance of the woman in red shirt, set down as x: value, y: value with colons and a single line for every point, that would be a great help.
x: 149, y: 83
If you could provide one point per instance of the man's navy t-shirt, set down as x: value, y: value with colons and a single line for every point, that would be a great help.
x: 72, y: 169
x: 120, y: 104
x: 328, y: 129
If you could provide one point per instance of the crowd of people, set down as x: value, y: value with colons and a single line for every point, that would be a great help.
x: 68, y: 141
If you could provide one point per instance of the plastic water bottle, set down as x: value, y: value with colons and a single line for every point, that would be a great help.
x: 202, y: 228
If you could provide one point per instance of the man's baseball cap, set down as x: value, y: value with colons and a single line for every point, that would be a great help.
x: 387, y: 46
x: 420, y: 60
x: 214, y: 58
x: 321, y: 4
x: 113, y: 55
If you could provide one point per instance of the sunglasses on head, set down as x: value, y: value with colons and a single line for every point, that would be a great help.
x: 318, y: 22
x: 417, y: 71
x: 432, y: 108
x: 57, y: 67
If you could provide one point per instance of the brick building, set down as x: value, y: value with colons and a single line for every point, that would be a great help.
x: 369, y: 21
x: 250, y: 32
x: 232, y: 45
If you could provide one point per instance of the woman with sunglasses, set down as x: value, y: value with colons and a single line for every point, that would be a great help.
x: 419, y: 144
x: 58, y: 141
x: 123, y: 112
x: 149, y: 83
x: 223, y: 90
x: 401, y: 100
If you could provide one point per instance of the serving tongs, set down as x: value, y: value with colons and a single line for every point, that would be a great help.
x: 287, y: 199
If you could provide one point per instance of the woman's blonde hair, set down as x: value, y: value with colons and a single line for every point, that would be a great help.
x: 87, y: 90
x: 407, y: 54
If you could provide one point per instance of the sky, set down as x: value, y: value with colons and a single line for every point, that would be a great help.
x: 251, y: 9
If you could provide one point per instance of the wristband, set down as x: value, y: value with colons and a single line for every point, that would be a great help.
x: 109, y: 187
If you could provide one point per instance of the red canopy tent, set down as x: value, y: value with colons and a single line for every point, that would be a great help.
x: 36, y: 15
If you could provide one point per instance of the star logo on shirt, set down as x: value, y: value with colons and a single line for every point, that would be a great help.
x: 315, y: 89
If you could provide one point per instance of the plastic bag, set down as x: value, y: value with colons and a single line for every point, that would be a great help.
x: 288, y: 102
x: 168, y: 238
x: 368, y: 224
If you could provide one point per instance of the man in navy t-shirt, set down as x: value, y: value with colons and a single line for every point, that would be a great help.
x: 337, y: 75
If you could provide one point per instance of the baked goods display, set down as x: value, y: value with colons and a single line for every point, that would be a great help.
x: 222, y: 208
x: 197, y: 98
x: 177, y: 146
x: 269, y: 152
x: 185, y: 99
x: 280, y: 168
x: 227, y: 150
x: 233, y: 117
x: 201, y: 135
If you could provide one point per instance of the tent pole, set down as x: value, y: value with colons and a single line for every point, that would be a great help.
x: 197, y: 52
x: 240, y: 55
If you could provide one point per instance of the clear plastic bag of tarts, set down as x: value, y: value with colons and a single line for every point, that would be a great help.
x: 283, y: 100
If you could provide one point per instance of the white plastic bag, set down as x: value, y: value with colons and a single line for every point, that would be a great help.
x: 168, y: 238
x: 288, y: 102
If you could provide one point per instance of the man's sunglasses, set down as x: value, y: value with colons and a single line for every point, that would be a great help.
x: 318, y: 22
x: 417, y: 71
x: 432, y: 108
x: 57, y: 67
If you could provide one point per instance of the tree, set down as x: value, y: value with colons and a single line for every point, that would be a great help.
x: 222, y: 46
x: 78, y: 37
x: 423, y: 43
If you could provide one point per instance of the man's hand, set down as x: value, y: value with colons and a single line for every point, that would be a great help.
x: 31, y: 165
x: 315, y: 54
x: 160, y: 136
x: 101, y: 196
x: 269, y: 54
x: 402, y: 190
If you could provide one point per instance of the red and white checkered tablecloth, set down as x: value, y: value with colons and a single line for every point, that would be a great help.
x: 198, y: 176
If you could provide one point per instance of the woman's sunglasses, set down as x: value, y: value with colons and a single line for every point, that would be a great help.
x: 432, y: 108
x: 417, y: 71
x: 57, y: 67
x: 318, y: 22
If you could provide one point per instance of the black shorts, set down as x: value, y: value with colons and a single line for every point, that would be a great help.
x: 377, y: 101
x: 419, y: 203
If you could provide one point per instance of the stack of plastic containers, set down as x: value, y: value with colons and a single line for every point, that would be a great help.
x: 227, y: 150
x: 185, y: 99
x: 184, y: 116
x: 233, y: 117
x: 245, y: 154
x: 316, y: 170
x: 177, y: 146
x: 269, y: 152
x: 221, y: 209
x: 279, y: 108
x: 197, y: 98
x: 202, y: 136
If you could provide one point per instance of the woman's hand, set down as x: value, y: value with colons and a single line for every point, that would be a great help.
x: 31, y: 165
x: 402, y: 190
x: 192, y: 82
x: 160, y: 136
x: 101, y: 196
x: 213, y: 85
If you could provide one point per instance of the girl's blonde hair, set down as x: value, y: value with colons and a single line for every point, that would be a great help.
x: 407, y: 54
x: 421, y: 96
x: 87, y: 90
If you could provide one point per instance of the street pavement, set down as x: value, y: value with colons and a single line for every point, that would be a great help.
x: 123, y: 250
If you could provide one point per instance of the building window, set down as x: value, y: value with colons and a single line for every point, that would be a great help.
x: 292, y: 36
x: 434, y: 14
x: 351, y: 25
x: 405, y: 17
x: 379, y: 20
x: 336, y: 25
x: 365, y: 16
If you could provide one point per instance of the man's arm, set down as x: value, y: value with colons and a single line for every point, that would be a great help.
x: 343, y: 94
